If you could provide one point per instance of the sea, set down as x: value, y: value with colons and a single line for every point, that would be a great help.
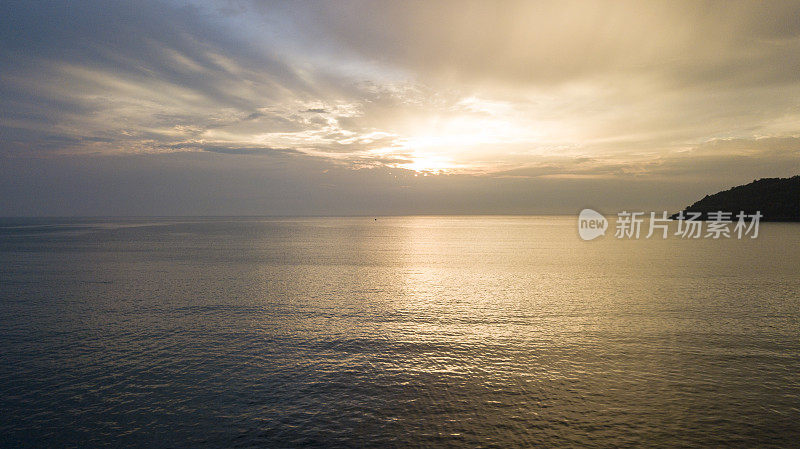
x: 418, y: 331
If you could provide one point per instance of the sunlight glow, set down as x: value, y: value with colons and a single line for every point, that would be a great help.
x: 446, y: 143
x: 429, y: 164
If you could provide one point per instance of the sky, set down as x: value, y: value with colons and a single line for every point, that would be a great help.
x: 112, y: 108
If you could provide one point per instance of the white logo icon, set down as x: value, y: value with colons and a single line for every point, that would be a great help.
x: 591, y: 224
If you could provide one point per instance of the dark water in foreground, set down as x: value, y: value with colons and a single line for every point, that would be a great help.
x: 416, y: 331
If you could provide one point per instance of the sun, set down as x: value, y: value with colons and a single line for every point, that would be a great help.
x: 429, y: 164
x: 457, y: 141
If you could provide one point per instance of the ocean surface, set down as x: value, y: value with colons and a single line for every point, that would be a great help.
x: 395, y: 332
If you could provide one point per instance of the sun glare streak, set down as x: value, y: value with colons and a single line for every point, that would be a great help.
x: 429, y: 164
x: 449, y: 143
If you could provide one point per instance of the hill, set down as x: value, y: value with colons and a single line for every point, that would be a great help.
x: 778, y: 199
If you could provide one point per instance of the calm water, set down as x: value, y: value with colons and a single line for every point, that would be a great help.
x: 413, y: 331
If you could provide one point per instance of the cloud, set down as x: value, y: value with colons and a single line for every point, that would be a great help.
x: 241, y: 150
x: 736, y: 160
x: 522, y: 92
